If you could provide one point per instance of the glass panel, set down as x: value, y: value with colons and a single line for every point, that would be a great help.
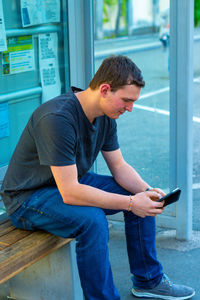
x: 196, y: 119
x: 143, y: 35
x: 33, y: 65
x: 33, y: 69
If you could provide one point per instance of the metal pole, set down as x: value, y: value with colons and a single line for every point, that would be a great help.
x: 181, y: 110
x: 81, y: 49
x: 33, y: 31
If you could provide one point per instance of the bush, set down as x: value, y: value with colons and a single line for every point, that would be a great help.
x: 197, y: 13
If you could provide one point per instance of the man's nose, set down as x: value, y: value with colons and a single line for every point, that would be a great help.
x: 129, y: 106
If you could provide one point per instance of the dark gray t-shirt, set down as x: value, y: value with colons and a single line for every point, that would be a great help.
x: 58, y: 134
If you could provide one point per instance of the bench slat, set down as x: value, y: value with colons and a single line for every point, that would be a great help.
x: 25, y: 252
x: 5, y: 227
x: 12, y: 237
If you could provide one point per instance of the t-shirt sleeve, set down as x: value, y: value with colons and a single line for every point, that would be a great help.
x: 111, y: 140
x: 55, y: 140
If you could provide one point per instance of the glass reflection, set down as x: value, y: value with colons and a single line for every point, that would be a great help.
x: 140, y: 30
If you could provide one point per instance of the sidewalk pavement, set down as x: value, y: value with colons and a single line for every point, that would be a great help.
x: 125, y: 45
x: 180, y: 259
x: 131, y: 44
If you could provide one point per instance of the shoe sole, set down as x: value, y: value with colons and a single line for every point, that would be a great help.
x: 149, y: 295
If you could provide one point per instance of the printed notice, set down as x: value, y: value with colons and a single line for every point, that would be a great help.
x: 49, y: 69
x: 4, y: 120
x: 3, y: 44
x: 20, y: 55
x: 34, y: 12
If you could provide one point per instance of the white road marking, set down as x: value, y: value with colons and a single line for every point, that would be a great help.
x: 151, y: 109
x: 196, y: 186
x: 158, y: 110
x: 160, y: 91
x: 197, y: 79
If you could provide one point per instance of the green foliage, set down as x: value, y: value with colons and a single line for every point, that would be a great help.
x: 197, y: 13
x: 107, y: 3
x: 124, y: 8
x: 110, y: 2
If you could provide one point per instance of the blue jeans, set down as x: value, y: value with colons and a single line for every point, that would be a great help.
x: 45, y: 210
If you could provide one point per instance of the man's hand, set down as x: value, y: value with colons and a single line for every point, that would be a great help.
x: 159, y: 191
x: 145, y: 203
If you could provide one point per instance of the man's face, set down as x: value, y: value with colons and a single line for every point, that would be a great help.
x: 114, y: 104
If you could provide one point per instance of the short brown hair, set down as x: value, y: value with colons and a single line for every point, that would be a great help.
x: 117, y: 71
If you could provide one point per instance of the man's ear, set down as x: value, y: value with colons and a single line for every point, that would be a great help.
x: 104, y: 89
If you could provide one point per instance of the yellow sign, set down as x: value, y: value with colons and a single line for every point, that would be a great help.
x: 19, y: 43
x: 20, y: 55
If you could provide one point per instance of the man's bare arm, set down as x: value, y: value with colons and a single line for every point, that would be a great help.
x: 124, y: 174
x: 75, y: 193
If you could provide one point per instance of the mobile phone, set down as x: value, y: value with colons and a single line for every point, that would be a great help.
x: 171, y: 197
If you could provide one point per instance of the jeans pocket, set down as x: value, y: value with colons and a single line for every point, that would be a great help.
x: 26, y: 224
x: 19, y: 221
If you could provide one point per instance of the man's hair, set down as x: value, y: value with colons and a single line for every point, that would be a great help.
x: 117, y: 71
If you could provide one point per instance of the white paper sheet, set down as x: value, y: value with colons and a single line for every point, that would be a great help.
x: 3, y: 44
x: 49, y: 68
x: 35, y: 12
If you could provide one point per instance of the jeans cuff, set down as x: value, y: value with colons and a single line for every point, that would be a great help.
x: 146, y: 284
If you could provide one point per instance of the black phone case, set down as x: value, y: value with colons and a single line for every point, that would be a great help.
x: 171, y: 197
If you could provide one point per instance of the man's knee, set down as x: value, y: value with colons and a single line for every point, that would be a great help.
x: 94, y: 225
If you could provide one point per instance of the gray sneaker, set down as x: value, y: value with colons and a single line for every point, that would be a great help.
x: 165, y: 290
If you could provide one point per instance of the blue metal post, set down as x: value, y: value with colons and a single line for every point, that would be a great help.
x: 181, y: 110
x: 81, y: 49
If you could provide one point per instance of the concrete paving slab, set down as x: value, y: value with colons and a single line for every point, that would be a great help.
x: 180, y: 260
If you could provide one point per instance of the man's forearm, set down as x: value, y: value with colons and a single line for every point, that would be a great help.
x: 85, y: 195
x: 76, y: 193
x: 141, y: 204
x: 128, y: 178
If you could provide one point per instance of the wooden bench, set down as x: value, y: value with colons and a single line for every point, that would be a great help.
x: 37, y: 265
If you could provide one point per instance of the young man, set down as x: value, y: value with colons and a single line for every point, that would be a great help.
x: 48, y: 184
